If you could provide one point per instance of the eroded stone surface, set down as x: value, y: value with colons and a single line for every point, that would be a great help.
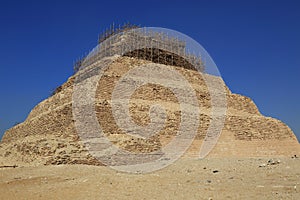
x: 48, y: 135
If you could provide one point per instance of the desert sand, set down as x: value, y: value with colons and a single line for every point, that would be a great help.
x: 188, y: 178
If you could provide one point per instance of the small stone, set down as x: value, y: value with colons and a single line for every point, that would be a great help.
x: 215, y: 171
x: 294, y: 156
x: 273, y: 162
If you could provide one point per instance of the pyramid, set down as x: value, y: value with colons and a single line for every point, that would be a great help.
x: 49, y: 135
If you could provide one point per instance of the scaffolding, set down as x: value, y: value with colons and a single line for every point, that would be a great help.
x: 142, y: 43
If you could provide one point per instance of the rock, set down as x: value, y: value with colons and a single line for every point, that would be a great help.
x: 270, y: 162
x: 295, y: 156
x: 273, y: 162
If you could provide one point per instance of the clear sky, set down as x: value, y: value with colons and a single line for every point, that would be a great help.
x: 255, y: 44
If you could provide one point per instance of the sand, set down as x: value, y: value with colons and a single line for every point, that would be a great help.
x: 209, y: 178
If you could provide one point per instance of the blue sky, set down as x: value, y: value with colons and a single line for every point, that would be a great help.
x: 255, y: 44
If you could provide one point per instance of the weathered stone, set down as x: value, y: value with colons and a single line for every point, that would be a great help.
x: 49, y: 129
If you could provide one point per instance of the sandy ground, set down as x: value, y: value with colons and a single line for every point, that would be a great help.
x: 236, y: 178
